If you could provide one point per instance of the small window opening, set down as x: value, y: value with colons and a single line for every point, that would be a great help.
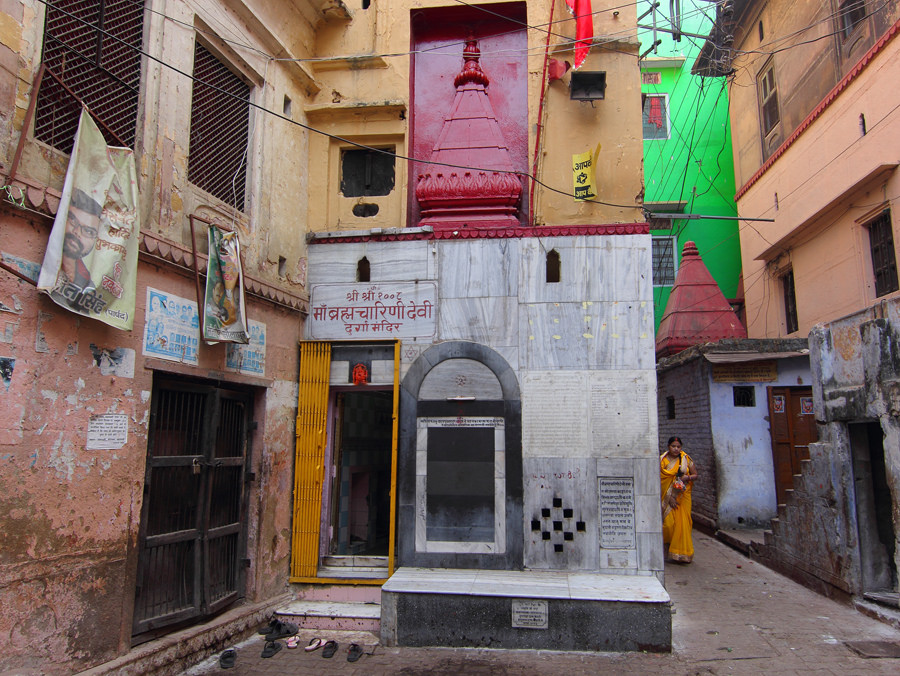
x: 366, y: 3
x: 286, y: 108
x: 851, y: 12
x: 282, y: 266
x: 670, y: 408
x: 367, y: 172
x: 552, y: 267
x: 744, y: 395
x: 362, y: 270
x: 790, y: 303
x: 761, y: 33
x: 862, y: 124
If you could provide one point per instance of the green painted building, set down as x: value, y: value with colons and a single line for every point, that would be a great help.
x: 688, y: 168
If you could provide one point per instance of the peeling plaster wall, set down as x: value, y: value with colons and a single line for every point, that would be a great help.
x: 856, y: 378
x: 70, y: 517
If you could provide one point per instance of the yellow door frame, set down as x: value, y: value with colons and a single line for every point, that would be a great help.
x: 309, y: 463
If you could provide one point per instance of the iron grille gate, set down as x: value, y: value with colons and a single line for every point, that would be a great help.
x: 195, y: 494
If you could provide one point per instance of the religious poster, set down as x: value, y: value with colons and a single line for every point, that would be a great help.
x: 583, y: 174
x: 90, y: 266
x: 778, y: 404
x: 224, y: 314
x: 171, y: 327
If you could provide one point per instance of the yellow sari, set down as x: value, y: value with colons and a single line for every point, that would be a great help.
x: 677, y: 522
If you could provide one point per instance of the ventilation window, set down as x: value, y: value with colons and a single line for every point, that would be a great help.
x: 761, y: 33
x: 94, y: 48
x: 552, y: 267
x: 367, y: 172
x: 744, y: 396
x: 282, y: 266
x: 220, y: 129
x: 362, y: 270
x: 286, y: 108
x: 670, y: 408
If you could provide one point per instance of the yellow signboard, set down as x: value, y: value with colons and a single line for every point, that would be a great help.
x: 745, y: 372
x: 583, y: 176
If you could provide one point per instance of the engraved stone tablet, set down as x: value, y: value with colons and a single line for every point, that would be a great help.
x: 529, y: 614
x: 617, y: 513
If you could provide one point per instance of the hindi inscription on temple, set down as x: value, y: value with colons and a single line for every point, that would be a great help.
x: 617, y: 513
x: 384, y: 311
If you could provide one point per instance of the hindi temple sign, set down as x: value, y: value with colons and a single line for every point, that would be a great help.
x: 382, y: 311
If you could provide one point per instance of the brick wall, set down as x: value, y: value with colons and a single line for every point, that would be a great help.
x: 688, y: 384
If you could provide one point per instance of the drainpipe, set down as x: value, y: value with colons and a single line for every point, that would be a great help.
x: 540, y: 126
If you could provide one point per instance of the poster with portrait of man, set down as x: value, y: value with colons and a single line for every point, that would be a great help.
x: 90, y: 266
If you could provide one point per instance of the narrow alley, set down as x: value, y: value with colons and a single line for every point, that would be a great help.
x: 733, y: 616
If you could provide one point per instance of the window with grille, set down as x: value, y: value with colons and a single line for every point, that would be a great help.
x: 768, y: 100
x: 790, y: 302
x: 851, y: 13
x: 884, y: 260
x: 94, y: 48
x: 655, y: 116
x: 663, y: 261
x: 220, y: 129
x: 744, y: 395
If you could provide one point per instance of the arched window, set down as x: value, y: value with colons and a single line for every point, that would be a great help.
x: 552, y: 266
x: 362, y: 270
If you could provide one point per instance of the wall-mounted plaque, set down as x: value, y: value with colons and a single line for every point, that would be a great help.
x: 617, y: 513
x: 530, y: 614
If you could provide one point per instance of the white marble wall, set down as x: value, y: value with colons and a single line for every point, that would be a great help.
x: 583, y: 349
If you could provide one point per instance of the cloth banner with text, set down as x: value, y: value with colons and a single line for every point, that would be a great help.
x: 583, y: 174
x: 224, y: 317
x: 90, y: 266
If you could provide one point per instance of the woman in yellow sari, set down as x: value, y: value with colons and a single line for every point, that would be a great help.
x: 677, y: 476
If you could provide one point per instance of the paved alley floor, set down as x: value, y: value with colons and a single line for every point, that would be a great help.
x: 733, y: 616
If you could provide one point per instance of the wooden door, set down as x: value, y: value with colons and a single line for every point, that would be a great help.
x: 793, y: 427
x: 192, y: 528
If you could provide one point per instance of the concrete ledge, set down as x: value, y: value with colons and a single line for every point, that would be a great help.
x: 474, y: 608
x: 172, y: 654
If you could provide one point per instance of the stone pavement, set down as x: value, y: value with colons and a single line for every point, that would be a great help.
x: 733, y: 616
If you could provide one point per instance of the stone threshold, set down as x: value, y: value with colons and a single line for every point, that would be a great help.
x: 580, y: 585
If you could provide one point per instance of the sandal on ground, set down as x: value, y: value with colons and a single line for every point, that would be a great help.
x: 293, y: 641
x: 228, y: 658
x: 329, y: 649
x: 282, y: 630
x: 272, y: 647
x: 354, y: 652
x: 268, y: 628
x: 314, y: 644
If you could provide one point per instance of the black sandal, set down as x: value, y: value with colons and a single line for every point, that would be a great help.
x: 329, y: 649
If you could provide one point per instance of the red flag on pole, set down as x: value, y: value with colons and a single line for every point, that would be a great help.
x: 584, y: 28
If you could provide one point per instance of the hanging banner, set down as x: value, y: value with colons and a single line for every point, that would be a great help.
x: 583, y: 174
x: 224, y: 318
x: 584, y: 28
x: 90, y: 266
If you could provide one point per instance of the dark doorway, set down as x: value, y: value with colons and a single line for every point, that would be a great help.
x: 361, y: 489
x: 192, y: 536
x: 877, y: 539
x: 793, y: 427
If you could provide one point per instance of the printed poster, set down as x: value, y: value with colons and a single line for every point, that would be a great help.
x: 171, y: 328
x: 90, y: 266
x: 583, y: 175
x: 224, y: 317
x: 249, y: 359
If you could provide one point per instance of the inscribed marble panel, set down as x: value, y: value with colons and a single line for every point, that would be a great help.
x: 555, y: 414
x: 623, y: 412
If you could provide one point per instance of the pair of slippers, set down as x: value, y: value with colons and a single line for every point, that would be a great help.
x: 329, y: 648
x: 277, y: 629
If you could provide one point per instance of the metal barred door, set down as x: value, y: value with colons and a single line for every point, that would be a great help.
x: 192, y: 527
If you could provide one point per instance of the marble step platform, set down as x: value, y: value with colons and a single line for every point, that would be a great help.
x: 332, y: 615
x: 550, y: 610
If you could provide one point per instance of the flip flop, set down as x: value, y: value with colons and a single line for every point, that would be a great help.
x: 314, y: 644
x: 282, y: 630
x: 329, y: 649
x: 228, y: 658
x: 354, y: 652
x: 293, y: 642
x: 272, y: 647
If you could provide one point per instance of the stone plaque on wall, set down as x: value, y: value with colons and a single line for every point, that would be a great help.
x: 530, y: 614
x: 383, y: 311
x: 554, y: 413
x: 620, y: 411
x: 617, y: 513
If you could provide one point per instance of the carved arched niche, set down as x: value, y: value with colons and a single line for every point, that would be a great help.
x: 460, y: 461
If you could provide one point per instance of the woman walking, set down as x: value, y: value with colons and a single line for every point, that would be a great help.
x: 677, y: 476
